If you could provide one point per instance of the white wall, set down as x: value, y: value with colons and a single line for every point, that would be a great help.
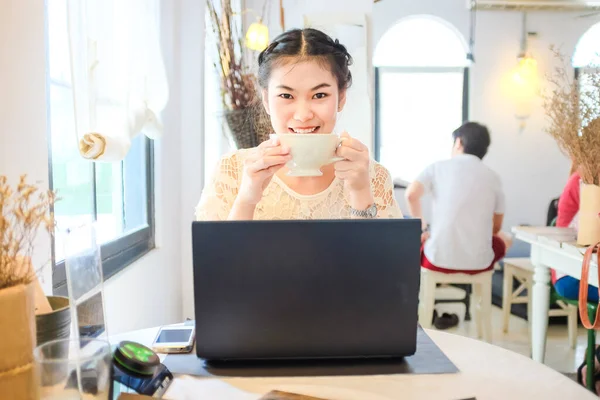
x: 23, y: 118
x: 191, y: 64
x: 149, y: 292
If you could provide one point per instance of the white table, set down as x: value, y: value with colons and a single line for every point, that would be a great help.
x: 550, y: 248
x: 487, y: 372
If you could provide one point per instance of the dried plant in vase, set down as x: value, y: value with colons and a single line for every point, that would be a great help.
x: 23, y: 211
x: 238, y: 84
x: 573, y: 109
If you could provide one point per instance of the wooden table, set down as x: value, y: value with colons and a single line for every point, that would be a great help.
x: 487, y: 372
x: 550, y: 248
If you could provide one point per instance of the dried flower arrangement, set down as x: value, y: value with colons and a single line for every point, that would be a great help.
x: 573, y: 108
x: 238, y: 84
x: 22, y: 212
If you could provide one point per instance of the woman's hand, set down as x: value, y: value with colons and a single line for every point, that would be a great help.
x: 259, y: 167
x: 354, y: 171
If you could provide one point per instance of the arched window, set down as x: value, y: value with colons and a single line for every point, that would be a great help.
x: 421, y: 93
x: 586, y: 59
x: 587, y: 51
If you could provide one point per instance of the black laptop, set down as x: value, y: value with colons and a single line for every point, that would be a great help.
x: 306, y: 289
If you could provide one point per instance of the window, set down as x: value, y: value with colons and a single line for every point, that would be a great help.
x: 586, y: 59
x: 118, y: 196
x: 421, y: 79
x: 587, y: 51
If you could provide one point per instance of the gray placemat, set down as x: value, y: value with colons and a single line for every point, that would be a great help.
x: 428, y: 359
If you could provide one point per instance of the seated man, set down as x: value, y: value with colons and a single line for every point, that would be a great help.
x: 468, y: 207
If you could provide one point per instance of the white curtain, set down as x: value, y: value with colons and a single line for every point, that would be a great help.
x: 117, y: 72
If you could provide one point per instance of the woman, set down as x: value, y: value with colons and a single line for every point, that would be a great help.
x: 303, y: 75
x: 568, y: 210
x: 565, y: 285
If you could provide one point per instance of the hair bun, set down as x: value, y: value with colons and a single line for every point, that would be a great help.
x: 340, y: 47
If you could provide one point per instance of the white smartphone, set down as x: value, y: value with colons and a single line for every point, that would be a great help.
x: 174, y: 339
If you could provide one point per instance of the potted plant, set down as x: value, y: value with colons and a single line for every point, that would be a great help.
x: 573, y: 109
x: 24, y: 209
x: 238, y: 85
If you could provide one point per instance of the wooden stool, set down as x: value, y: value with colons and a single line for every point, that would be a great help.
x: 482, y: 297
x: 521, y: 269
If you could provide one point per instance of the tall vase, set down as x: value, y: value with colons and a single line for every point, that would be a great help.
x: 247, y: 128
x: 589, y: 215
x: 17, y: 319
x: 241, y: 126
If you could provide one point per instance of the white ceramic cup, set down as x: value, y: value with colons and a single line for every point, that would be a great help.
x: 310, y: 152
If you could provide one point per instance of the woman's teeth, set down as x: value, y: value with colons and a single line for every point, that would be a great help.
x: 310, y: 130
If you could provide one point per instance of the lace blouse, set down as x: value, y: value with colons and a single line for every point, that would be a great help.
x: 279, y: 201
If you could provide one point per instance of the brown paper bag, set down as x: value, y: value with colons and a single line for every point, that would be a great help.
x: 589, y: 215
x: 24, y: 268
x: 17, y: 341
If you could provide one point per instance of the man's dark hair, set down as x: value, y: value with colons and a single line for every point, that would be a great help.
x: 475, y: 138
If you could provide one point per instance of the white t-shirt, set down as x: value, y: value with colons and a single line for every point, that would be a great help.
x: 466, y: 194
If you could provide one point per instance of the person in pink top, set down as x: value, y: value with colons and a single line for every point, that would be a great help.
x: 568, y: 203
x: 568, y: 208
x: 565, y: 285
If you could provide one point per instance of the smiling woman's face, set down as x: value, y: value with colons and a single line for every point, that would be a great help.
x: 303, y: 97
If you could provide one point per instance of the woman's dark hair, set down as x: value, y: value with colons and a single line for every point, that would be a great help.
x: 306, y: 44
x: 475, y: 138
